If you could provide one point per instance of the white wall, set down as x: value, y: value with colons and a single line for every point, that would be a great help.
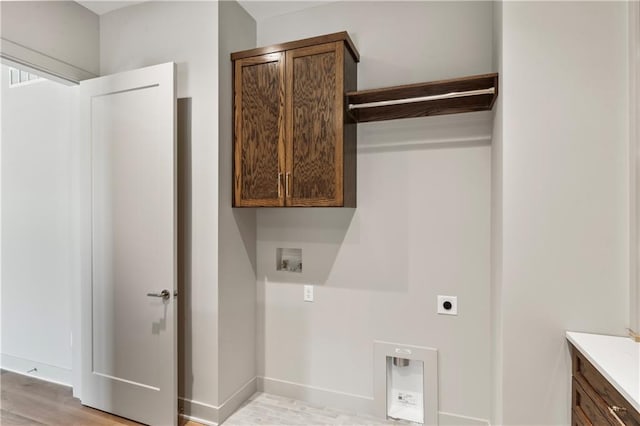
x: 421, y: 228
x: 36, y: 229
x: 496, y: 226
x: 60, y: 36
x: 565, y: 206
x: 236, y: 227
x: 634, y: 134
x: 185, y: 33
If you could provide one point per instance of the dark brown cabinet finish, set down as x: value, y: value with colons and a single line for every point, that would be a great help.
x: 259, y: 130
x: 314, y: 125
x: 474, y: 93
x: 594, y: 400
x: 294, y: 142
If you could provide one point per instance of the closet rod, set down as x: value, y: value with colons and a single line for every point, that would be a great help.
x: 452, y: 95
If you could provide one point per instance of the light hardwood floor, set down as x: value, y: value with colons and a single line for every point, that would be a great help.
x: 29, y: 401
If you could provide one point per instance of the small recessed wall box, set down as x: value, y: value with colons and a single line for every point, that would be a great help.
x: 405, y: 389
x: 289, y: 259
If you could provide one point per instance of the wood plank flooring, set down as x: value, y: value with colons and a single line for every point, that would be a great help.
x: 30, y: 401
x: 33, y: 402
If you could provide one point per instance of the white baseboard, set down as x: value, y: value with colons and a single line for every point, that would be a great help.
x: 315, y: 395
x: 192, y: 409
x: 358, y: 404
x: 450, y: 419
x: 197, y: 420
x: 212, y: 415
x: 209, y: 414
x: 49, y: 373
x: 231, y: 404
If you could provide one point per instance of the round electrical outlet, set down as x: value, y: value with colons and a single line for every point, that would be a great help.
x: 448, y: 305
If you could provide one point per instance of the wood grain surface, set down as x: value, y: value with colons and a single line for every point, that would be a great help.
x: 294, y: 143
x: 259, y: 131
x: 314, y: 121
x: 601, y: 392
x: 588, y: 404
x: 426, y: 108
x: 30, y: 401
x: 440, y: 87
x: 350, y: 134
x: 296, y: 44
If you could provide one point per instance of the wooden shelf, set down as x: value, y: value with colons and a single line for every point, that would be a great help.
x: 466, y: 94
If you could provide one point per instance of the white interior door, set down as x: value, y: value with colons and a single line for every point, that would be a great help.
x: 128, y: 336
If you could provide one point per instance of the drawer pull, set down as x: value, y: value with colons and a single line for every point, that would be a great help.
x: 614, y: 412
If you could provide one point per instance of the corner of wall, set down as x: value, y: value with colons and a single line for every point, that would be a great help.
x: 496, y: 226
x: 236, y: 232
x: 192, y: 43
x: 634, y: 137
x: 565, y: 185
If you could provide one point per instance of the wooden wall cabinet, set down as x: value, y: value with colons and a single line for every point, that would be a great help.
x: 294, y: 141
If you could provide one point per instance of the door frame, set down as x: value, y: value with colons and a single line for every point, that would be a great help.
x: 53, y: 69
x: 14, y: 54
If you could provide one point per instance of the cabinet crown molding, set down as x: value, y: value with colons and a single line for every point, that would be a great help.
x: 306, y: 42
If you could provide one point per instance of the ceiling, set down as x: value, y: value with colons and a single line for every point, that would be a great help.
x: 102, y: 7
x: 259, y: 9
x: 262, y: 9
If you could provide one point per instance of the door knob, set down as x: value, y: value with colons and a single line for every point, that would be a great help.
x: 164, y: 294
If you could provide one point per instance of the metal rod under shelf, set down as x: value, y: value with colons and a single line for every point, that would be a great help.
x: 452, y: 95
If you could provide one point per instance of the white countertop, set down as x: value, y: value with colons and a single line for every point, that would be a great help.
x: 616, y: 358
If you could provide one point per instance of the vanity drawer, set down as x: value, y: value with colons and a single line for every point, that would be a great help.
x: 588, y: 381
x: 588, y: 408
x: 578, y: 418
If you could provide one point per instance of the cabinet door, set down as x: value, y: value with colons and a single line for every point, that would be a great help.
x: 259, y: 131
x: 314, y: 125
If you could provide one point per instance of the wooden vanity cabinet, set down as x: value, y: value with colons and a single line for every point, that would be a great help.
x: 294, y: 141
x: 594, y: 400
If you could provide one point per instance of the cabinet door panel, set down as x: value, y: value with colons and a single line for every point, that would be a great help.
x: 259, y: 131
x: 314, y: 125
